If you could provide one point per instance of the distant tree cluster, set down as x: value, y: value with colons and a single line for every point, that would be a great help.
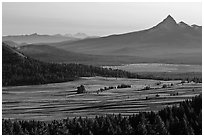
x: 124, y: 86
x: 146, y: 88
x: 164, y: 86
x: 184, y: 76
x: 183, y: 120
x: 81, y: 89
x: 105, y: 88
x: 113, y: 87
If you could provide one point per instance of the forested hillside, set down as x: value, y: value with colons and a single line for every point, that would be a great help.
x: 177, y: 120
x: 18, y: 69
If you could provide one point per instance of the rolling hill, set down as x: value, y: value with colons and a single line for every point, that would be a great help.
x: 167, y: 42
x: 18, y: 69
x: 48, y: 53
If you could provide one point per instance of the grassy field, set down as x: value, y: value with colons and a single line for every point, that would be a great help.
x: 60, y: 100
x: 158, y: 67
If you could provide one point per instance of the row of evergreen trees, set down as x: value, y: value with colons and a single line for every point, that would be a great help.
x: 177, y: 120
x: 184, y: 76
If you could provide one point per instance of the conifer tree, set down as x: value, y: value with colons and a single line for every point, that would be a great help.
x: 160, y: 126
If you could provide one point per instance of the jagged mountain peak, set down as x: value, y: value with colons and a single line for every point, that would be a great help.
x: 169, y: 18
x: 168, y: 23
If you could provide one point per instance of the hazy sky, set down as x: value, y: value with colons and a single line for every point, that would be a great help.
x: 93, y: 18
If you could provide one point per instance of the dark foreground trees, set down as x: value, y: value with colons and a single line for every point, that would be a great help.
x: 185, y: 119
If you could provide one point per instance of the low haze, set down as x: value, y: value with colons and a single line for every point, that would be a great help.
x: 93, y: 18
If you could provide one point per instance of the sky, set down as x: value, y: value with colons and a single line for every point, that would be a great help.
x: 98, y: 19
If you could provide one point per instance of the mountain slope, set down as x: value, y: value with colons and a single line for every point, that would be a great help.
x: 48, y: 53
x: 18, y: 69
x: 165, y: 41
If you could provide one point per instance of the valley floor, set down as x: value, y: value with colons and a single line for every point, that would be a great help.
x: 158, y: 67
x: 60, y: 100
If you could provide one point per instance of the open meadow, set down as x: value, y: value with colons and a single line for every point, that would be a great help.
x: 60, y: 100
x: 158, y: 67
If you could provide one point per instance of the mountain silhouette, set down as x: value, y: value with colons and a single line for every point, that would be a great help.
x: 167, y: 40
x: 37, y: 38
x: 168, y: 24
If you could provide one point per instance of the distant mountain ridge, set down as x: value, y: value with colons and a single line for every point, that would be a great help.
x: 168, y: 23
x: 48, y: 53
x: 167, y: 40
x: 80, y: 35
x: 38, y: 38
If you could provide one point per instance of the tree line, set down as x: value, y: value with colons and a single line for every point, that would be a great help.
x: 185, y: 119
x: 18, y: 70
